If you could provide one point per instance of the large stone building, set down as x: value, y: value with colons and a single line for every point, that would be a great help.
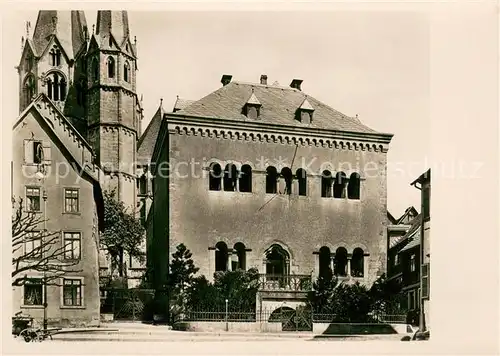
x: 265, y: 176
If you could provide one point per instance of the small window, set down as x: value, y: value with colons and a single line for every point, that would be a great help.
x: 396, y: 260
x: 302, y: 178
x: 271, y: 180
x: 215, y: 177
x: 33, y: 245
x: 71, y: 200
x: 126, y: 72
x: 412, y: 263
x: 37, y: 152
x: 72, y: 245
x: 33, y: 291
x: 33, y: 199
x: 111, y: 67
x: 246, y: 179
x: 326, y: 184
x: 143, y: 185
x: 72, y: 292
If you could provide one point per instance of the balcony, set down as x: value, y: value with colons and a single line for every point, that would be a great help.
x: 285, y: 283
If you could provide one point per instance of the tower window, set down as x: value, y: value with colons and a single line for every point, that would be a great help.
x: 111, y: 67
x: 126, y: 72
x: 29, y: 89
x: 246, y: 179
x: 302, y: 178
x: 56, y: 87
x: 55, y: 56
x: 271, y: 180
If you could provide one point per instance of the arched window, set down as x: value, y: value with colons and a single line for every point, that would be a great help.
x: 246, y: 179
x: 55, y: 56
x: 271, y: 180
x: 56, y: 87
x: 357, y: 263
x: 302, y: 178
x: 221, y: 255
x: 340, y: 265
x: 95, y: 69
x: 111, y: 67
x: 339, y: 185
x: 126, y: 72
x: 277, y: 261
x: 287, y: 175
x: 29, y: 88
x: 230, y: 178
x: 325, y: 269
x: 214, y: 178
x: 326, y: 184
x: 240, y: 251
x: 353, y: 186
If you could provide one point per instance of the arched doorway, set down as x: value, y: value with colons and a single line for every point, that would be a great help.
x: 277, y: 261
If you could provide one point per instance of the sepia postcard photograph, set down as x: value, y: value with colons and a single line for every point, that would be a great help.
x: 236, y: 176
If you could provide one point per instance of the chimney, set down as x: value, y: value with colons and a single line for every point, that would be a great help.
x: 263, y: 79
x: 226, y: 79
x: 296, y: 84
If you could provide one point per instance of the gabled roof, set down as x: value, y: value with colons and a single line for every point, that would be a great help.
x: 306, y: 105
x: 40, y: 106
x: 410, y: 234
x: 279, y: 105
x: 182, y: 104
x: 391, y: 218
x: 253, y: 100
x: 147, y: 141
x: 410, y: 211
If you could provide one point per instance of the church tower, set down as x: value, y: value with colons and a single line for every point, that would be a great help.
x: 113, y: 108
x: 49, y: 62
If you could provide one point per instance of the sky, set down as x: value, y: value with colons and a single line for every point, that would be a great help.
x: 372, y: 63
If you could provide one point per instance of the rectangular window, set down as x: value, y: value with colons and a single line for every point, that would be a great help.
x: 72, y: 292
x: 72, y: 245
x: 37, y: 152
x: 71, y: 200
x: 396, y: 260
x: 33, y: 245
x: 33, y: 199
x: 412, y: 263
x: 33, y: 291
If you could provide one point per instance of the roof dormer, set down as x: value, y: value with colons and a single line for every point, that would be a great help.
x: 252, y: 107
x: 305, y: 112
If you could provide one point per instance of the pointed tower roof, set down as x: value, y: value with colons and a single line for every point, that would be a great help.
x: 68, y: 26
x: 147, y: 141
x: 112, y: 23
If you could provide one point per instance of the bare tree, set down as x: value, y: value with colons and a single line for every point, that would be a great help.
x: 35, y: 249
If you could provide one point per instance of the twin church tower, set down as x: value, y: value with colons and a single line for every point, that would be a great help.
x: 90, y: 75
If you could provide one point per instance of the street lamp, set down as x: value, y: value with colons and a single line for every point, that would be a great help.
x: 227, y: 325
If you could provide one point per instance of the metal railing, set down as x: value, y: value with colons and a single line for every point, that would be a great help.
x: 292, y: 282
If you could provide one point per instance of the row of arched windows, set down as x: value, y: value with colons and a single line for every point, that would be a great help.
x: 232, y: 180
x: 111, y: 69
x: 278, y: 260
x: 339, y: 264
x: 56, y: 87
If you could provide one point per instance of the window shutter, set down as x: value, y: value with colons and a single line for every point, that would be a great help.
x: 28, y: 151
x: 425, y: 281
x: 47, y: 157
